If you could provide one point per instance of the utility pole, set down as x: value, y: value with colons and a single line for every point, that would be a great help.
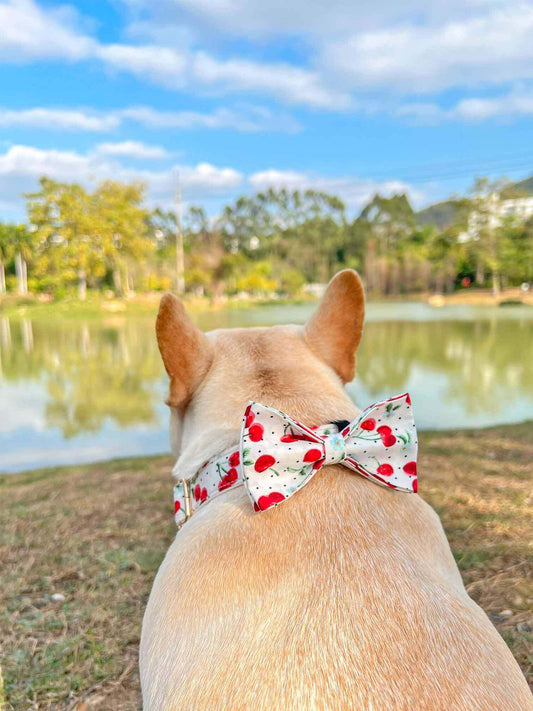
x: 180, y: 257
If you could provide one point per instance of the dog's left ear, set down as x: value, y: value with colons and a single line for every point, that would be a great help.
x: 185, y: 350
x: 333, y: 332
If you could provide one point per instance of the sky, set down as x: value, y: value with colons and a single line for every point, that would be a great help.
x: 235, y: 96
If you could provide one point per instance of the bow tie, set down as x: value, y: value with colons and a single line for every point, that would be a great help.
x: 278, y: 455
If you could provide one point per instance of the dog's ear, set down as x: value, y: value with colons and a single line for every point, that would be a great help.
x: 333, y: 332
x: 186, y: 352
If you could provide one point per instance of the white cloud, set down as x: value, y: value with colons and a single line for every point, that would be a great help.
x: 160, y: 65
x: 58, y: 119
x: 479, y: 109
x: 355, y: 192
x: 472, y: 109
x: 274, y: 18
x: 21, y: 166
x: 413, y: 48
x: 29, y: 32
x: 284, y: 81
x: 132, y: 149
x: 27, y: 161
x: 248, y: 119
x: 245, y: 118
x: 488, y: 49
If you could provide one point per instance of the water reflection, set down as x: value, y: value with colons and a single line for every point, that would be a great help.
x: 72, y: 391
x: 484, y: 362
x: 90, y: 371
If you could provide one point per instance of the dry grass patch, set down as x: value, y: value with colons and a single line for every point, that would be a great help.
x: 95, y: 535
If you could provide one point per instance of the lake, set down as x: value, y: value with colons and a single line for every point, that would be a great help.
x: 75, y: 391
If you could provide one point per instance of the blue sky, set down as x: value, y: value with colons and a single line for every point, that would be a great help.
x: 240, y: 95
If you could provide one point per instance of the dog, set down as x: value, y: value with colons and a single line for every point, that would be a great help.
x: 345, y: 597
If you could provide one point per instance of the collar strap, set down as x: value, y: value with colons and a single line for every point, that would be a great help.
x: 278, y: 455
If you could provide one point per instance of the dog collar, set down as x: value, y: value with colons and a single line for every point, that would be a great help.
x: 278, y: 455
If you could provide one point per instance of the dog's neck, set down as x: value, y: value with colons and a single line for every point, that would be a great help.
x: 204, y: 446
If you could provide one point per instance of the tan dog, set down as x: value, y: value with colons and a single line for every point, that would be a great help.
x: 345, y: 597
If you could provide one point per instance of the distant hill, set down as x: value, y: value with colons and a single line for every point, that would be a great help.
x: 524, y: 188
x: 444, y: 214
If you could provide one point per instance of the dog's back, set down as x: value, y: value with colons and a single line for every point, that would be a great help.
x: 346, y: 597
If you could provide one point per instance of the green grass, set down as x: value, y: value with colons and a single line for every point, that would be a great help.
x: 96, y: 305
x: 96, y: 534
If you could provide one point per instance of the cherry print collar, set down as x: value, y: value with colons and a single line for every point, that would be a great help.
x: 278, y: 455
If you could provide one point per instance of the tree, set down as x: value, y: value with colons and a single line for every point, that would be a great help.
x: 64, y: 223
x: 22, y: 241
x: 485, y: 227
x: 122, y: 227
x: 6, y: 252
x: 388, y: 221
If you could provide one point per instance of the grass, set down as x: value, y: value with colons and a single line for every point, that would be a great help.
x: 96, y: 535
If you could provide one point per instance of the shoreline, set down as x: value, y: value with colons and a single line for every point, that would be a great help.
x: 15, y: 306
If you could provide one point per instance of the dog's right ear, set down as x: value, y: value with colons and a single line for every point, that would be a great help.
x: 333, y: 332
x: 186, y: 352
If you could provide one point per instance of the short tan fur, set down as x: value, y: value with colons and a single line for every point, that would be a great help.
x: 345, y: 597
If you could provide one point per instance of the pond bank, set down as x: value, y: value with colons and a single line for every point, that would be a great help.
x: 95, y: 305
x: 80, y: 547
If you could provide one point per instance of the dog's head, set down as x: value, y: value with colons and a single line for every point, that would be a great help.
x: 300, y: 370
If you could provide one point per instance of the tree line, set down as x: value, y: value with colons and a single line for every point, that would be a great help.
x: 276, y: 241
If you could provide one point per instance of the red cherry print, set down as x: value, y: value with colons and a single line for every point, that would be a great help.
x: 256, y: 507
x: 264, y: 462
x: 289, y: 438
x: 414, y: 484
x: 265, y: 502
x: 318, y: 463
x: 228, y: 479
x: 294, y: 438
x: 313, y: 455
x: 388, y: 440
x: 249, y: 419
x: 256, y: 432
x: 369, y: 424
x: 177, y: 506
x: 384, y: 430
x: 385, y: 470
x: 197, y: 492
x: 203, y: 496
x: 407, y: 399
x: 410, y: 468
x: 234, y: 459
x: 345, y: 431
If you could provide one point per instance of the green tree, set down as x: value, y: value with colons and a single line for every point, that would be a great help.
x: 70, y: 245
x: 121, y: 224
x: 6, y: 251
x: 23, y: 243
x: 485, y: 227
x: 388, y: 222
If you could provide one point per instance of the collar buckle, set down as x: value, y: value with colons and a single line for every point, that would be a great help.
x: 187, y: 509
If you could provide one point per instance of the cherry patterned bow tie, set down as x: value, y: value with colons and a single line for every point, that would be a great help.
x: 278, y: 455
